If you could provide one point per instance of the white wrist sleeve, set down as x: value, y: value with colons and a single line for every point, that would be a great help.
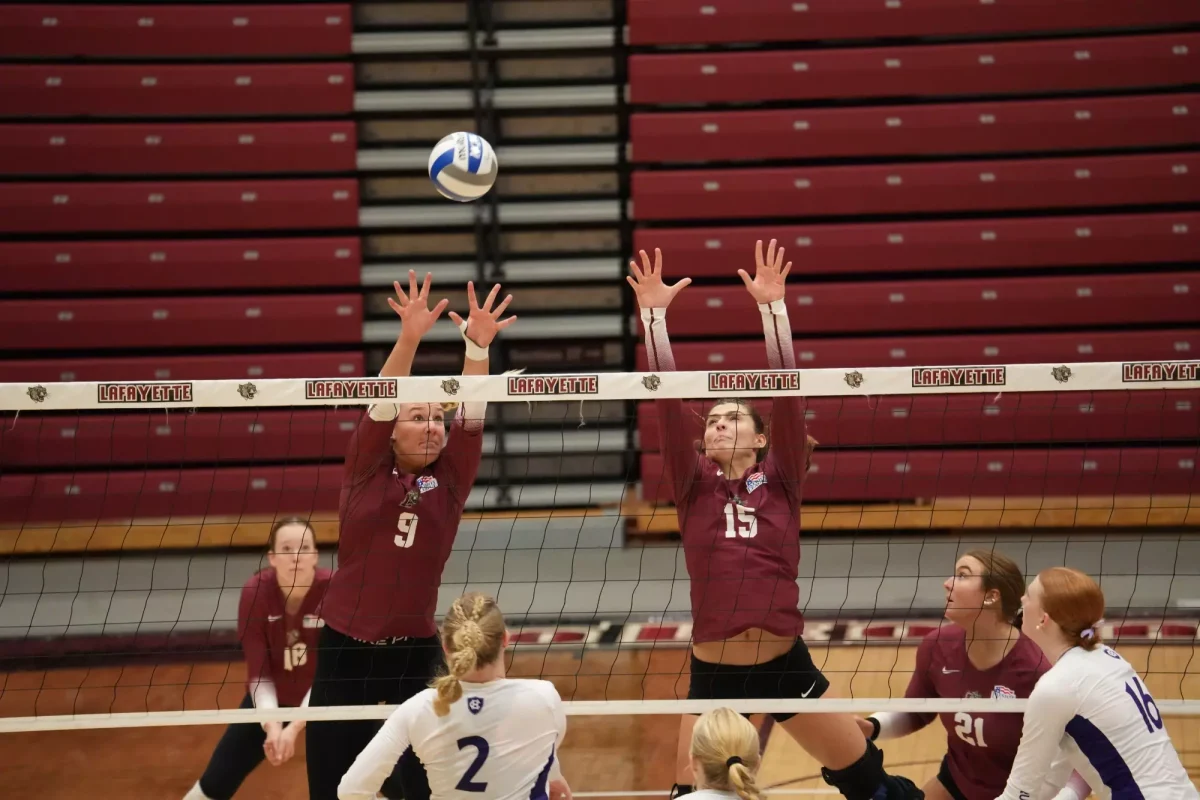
x: 776, y: 308
x: 474, y: 351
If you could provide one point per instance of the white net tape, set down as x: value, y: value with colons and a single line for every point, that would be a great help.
x: 1081, y: 377
x: 580, y: 708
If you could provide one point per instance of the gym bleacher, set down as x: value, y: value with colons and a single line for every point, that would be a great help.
x: 227, y: 191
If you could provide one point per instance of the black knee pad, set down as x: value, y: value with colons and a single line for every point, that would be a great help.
x: 863, y: 779
x: 866, y: 779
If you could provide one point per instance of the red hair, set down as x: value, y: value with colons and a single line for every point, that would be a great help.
x: 1074, y: 601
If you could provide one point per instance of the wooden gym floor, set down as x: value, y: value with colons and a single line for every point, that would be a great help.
x: 602, y: 754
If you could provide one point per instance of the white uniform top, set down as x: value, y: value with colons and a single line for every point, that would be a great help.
x: 1092, y: 712
x: 498, y: 742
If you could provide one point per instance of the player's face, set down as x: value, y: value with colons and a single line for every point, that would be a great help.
x: 1032, y: 612
x: 964, y: 591
x: 729, y: 433
x: 418, y: 435
x: 294, y: 556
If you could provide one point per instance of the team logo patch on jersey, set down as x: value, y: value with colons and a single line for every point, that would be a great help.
x: 1003, y: 693
x: 474, y: 704
x: 754, y: 481
x: 426, y: 482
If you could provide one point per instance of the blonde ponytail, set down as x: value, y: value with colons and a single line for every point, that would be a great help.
x: 743, y: 782
x: 473, y: 636
x: 725, y: 746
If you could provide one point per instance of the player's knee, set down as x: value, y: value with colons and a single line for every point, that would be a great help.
x: 866, y: 779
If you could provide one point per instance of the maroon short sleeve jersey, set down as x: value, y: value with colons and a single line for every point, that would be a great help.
x: 280, y: 647
x: 980, y: 747
x: 397, y: 531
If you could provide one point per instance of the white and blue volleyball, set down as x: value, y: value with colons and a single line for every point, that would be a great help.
x: 463, y: 166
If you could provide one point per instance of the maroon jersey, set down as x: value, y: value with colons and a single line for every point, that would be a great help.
x: 740, y: 533
x: 397, y: 531
x: 980, y: 747
x: 280, y: 647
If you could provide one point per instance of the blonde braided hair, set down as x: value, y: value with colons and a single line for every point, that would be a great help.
x: 473, y: 637
x: 725, y: 746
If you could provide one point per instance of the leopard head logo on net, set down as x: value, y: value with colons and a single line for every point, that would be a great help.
x: 958, y: 376
x: 247, y: 390
x: 144, y: 393
x: 350, y: 389
x: 37, y: 394
x: 756, y: 381
x: 542, y: 385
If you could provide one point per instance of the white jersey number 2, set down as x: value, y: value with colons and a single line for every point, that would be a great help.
x: 407, y: 525
x: 740, y: 522
x: 969, y: 729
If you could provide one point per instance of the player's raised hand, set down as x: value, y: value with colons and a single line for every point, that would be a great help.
x: 483, y: 322
x: 647, y: 282
x: 413, y: 308
x: 767, y: 285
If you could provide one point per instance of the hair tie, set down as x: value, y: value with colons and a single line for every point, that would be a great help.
x: 1090, y: 631
x: 729, y: 762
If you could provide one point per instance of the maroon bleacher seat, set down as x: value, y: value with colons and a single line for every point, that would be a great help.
x: 178, y: 439
x: 978, y: 419
x: 921, y: 246
x: 715, y: 21
x: 255, y: 90
x: 174, y: 31
x: 179, y: 264
x: 244, y: 148
x: 1074, y: 301
x: 180, y: 322
x: 1055, y: 65
x: 169, y: 493
x: 903, y: 351
x: 996, y: 127
x: 178, y: 206
x: 199, y: 368
x: 851, y: 475
x: 910, y: 188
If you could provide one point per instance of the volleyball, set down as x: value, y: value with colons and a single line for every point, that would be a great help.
x: 463, y: 166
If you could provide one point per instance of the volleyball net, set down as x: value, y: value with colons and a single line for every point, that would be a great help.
x: 132, y: 513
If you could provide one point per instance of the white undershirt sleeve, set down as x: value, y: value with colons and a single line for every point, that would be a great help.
x: 560, y: 719
x: 264, y: 695
x: 377, y: 760
x: 894, y: 724
x: 1052, y: 703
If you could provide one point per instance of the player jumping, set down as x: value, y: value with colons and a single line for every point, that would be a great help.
x: 739, y: 516
x: 405, y: 485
